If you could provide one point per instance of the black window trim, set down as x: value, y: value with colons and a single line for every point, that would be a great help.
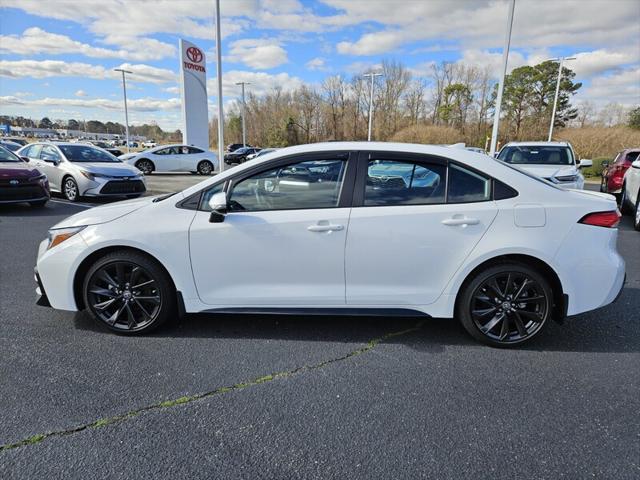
x: 346, y: 192
x: 364, y: 156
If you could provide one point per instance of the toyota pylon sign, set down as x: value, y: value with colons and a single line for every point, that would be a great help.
x: 193, y: 86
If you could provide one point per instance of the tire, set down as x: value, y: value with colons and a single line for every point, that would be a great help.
x: 113, y: 302
x: 494, y: 315
x: 636, y: 214
x: 205, y: 167
x: 624, y: 207
x: 38, y: 204
x: 145, y: 166
x: 70, y: 189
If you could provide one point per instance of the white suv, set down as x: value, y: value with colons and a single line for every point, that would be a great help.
x: 630, y: 199
x: 553, y: 161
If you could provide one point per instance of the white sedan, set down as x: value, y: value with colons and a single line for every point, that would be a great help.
x: 353, y: 227
x: 630, y: 197
x: 173, y: 158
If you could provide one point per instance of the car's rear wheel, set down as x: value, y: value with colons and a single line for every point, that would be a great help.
x: 145, y: 166
x: 129, y: 293
x: 505, y: 305
x: 205, y: 167
x: 70, y: 189
x: 624, y: 208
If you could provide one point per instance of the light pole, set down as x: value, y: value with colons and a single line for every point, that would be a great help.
x: 555, y: 98
x: 505, y: 58
x: 244, y: 136
x: 372, y: 75
x: 126, y: 112
x: 219, y: 76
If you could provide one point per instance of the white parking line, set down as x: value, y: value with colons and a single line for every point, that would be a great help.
x: 77, y: 204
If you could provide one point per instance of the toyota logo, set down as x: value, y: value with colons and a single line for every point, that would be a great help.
x: 194, y: 54
x: 13, y: 182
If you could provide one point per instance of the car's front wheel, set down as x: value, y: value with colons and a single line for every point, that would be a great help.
x: 205, y: 167
x: 636, y: 216
x: 129, y: 293
x: 70, y: 189
x: 505, y: 305
x: 145, y: 166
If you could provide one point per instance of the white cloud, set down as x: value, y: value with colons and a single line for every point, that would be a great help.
x: 317, y: 63
x: 622, y: 87
x: 35, y: 41
x: 598, y: 61
x: 80, y: 93
x: 138, y: 105
x: 58, y: 68
x: 261, y: 83
x: 260, y: 54
x: 175, y: 89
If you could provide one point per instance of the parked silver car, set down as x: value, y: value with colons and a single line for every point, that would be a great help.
x: 77, y: 169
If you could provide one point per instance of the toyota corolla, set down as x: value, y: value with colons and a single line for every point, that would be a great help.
x: 313, y: 229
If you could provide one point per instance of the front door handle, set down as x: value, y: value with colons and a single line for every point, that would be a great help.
x: 460, y: 221
x: 325, y: 226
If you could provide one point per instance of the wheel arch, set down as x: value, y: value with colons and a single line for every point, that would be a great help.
x: 85, y: 265
x: 560, y: 302
x: 153, y: 165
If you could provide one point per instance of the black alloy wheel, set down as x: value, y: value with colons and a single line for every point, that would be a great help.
x: 145, y: 166
x: 129, y: 293
x: 205, y: 167
x: 506, y: 305
x: 70, y: 189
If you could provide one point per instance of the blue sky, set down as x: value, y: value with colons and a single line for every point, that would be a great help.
x: 57, y: 56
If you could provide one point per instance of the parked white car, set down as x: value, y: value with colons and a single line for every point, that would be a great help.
x: 630, y: 197
x: 80, y: 169
x: 173, y: 158
x: 149, y: 144
x: 355, y: 227
x: 553, y: 161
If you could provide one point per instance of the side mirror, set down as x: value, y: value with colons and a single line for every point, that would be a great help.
x: 584, y: 163
x: 219, y: 207
x: 25, y: 159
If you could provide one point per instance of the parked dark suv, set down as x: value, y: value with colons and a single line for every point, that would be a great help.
x: 240, y: 155
x: 232, y: 147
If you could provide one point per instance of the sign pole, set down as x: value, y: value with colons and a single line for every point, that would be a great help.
x: 505, y: 58
x: 219, y: 77
x: 126, y: 112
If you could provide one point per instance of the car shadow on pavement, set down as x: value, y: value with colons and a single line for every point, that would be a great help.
x: 614, y: 328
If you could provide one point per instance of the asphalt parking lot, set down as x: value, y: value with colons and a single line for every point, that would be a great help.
x: 320, y: 397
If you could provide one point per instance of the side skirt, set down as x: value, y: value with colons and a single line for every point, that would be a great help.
x: 357, y: 312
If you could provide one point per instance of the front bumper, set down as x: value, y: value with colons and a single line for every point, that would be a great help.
x: 113, y: 187
x: 42, y: 299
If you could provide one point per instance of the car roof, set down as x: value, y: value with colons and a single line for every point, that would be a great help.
x: 537, y: 144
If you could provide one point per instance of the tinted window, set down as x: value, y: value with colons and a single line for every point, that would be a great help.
x: 49, y: 154
x: 195, y: 150
x: 163, y: 151
x: 467, y: 186
x: 308, y: 184
x: 632, y: 157
x: 536, y: 155
x: 391, y: 182
x: 87, y: 153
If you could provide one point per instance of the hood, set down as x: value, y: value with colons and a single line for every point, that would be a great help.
x: 111, y: 169
x: 548, y: 171
x: 127, y: 156
x: 104, y: 213
x: 17, y: 170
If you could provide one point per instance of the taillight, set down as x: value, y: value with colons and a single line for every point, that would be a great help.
x: 617, y: 176
x: 609, y: 219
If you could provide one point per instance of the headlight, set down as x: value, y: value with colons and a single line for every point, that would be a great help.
x: 38, y: 178
x: 91, y: 176
x: 567, y: 178
x: 59, y: 235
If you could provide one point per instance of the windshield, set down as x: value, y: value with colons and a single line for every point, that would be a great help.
x: 86, y: 154
x: 7, y: 156
x: 14, y: 147
x: 537, y: 155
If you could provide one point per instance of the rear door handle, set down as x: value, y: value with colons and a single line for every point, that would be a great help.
x: 456, y: 221
x: 325, y: 226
